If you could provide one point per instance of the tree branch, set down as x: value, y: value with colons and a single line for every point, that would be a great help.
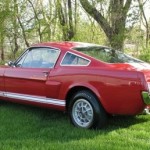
x: 127, y: 6
x: 92, y: 11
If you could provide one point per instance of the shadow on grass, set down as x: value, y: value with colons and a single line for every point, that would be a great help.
x: 19, y: 122
x: 118, y: 122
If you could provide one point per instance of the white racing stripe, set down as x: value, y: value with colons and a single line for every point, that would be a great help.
x: 1, y: 93
x: 31, y: 98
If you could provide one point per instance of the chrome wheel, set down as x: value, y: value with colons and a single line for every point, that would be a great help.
x: 82, y: 113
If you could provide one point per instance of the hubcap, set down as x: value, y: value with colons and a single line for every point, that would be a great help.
x: 83, y: 113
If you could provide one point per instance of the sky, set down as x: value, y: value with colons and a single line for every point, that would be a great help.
x: 147, y: 10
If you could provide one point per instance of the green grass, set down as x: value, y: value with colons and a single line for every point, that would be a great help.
x: 29, y: 128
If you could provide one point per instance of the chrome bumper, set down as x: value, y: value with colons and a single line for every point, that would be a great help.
x: 146, y: 97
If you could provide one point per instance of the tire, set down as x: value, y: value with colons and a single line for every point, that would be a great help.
x: 86, y: 112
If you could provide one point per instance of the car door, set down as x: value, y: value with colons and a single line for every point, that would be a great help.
x: 26, y: 79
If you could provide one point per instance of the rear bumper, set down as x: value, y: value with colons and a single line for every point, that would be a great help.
x: 146, y: 97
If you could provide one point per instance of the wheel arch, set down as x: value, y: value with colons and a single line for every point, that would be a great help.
x: 72, y: 91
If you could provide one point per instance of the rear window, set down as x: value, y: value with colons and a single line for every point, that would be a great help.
x: 107, y: 54
x: 72, y: 59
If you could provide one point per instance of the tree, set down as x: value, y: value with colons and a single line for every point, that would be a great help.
x: 114, y: 23
x: 66, y: 18
x: 15, y: 26
x: 37, y: 19
x: 144, y: 19
x: 49, y: 20
x: 4, y: 14
x: 20, y: 16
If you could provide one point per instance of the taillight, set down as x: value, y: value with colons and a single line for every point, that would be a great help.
x: 148, y: 83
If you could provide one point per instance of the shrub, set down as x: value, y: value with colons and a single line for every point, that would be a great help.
x: 145, y: 55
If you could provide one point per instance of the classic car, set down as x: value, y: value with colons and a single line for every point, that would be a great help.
x: 88, y: 81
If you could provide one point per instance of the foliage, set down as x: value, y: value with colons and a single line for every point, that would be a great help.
x: 24, y: 22
x: 113, y: 24
x: 145, y: 55
x: 25, y: 127
x: 88, y: 31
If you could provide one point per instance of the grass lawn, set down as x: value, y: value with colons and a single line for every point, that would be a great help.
x: 30, y: 128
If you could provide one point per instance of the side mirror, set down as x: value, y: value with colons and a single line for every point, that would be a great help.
x: 10, y: 63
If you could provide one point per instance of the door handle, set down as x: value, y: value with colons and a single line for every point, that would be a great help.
x: 46, y: 73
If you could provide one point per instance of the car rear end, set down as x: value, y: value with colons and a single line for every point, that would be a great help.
x: 146, y: 91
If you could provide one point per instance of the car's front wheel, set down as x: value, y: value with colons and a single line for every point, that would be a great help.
x: 86, y: 112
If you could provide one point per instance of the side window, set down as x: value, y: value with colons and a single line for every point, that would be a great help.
x: 39, y: 58
x: 71, y: 59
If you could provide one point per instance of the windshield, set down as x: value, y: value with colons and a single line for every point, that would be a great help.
x: 107, y: 54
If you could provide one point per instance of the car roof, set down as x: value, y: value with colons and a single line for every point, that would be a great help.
x: 72, y: 46
x: 66, y: 44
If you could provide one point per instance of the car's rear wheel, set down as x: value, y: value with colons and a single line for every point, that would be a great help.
x: 86, y: 112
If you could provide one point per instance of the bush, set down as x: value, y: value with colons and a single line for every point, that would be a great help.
x: 145, y: 55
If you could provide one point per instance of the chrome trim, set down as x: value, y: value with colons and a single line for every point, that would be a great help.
x: 76, y: 55
x: 42, y: 46
x: 1, y: 93
x: 146, y: 97
x: 32, y: 98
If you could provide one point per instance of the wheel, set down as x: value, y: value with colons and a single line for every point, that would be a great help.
x: 86, y: 112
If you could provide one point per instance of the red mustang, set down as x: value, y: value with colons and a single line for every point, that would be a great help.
x: 66, y: 76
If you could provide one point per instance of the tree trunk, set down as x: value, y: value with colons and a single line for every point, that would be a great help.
x: 38, y: 20
x: 146, y: 22
x: 23, y: 32
x: 2, y: 47
x: 115, y: 27
x: 65, y: 16
x: 15, y: 25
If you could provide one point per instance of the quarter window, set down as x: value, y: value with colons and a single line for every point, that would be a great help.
x: 71, y: 59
